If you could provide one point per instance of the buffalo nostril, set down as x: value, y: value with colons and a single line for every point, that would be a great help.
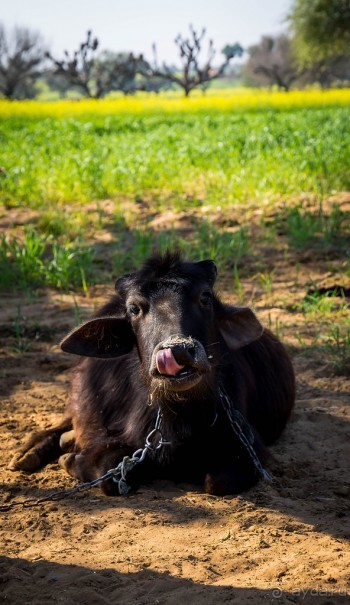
x: 184, y: 355
x: 192, y: 352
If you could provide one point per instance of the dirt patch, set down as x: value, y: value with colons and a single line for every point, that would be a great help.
x: 288, y: 541
x: 278, y: 543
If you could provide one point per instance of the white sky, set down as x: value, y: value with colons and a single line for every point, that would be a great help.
x: 133, y: 25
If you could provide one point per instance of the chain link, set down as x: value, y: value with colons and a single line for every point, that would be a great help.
x: 240, y: 426
x: 60, y: 495
x: 113, y: 473
x: 243, y: 431
x: 126, y: 466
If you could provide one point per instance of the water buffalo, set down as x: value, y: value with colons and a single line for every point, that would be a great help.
x: 195, y: 388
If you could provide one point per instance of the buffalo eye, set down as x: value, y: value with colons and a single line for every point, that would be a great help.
x: 134, y: 309
x: 205, y: 298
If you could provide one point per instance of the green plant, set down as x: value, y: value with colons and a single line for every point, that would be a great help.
x: 191, y: 157
x: 58, y: 222
x: 306, y: 228
x: 21, y: 262
x: 226, y: 247
x: 206, y: 241
x: 64, y: 269
x: 38, y: 260
x: 276, y: 326
x: 323, y: 304
x: 338, y: 347
x: 239, y: 289
x: 78, y: 318
x: 266, y: 282
x: 22, y: 344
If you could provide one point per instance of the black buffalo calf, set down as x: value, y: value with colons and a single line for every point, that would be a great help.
x: 168, y: 365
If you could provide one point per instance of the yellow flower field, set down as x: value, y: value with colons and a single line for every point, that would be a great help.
x: 236, y: 99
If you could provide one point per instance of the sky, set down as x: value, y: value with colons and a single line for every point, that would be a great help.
x: 134, y: 25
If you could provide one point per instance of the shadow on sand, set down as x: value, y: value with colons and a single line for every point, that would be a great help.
x: 45, y: 582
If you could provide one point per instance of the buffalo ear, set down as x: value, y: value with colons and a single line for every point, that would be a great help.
x: 210, y: 270
x: 239, y: 326
x: 104, y: 337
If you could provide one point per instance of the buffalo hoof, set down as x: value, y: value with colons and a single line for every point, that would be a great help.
x: 67, y: 441
x: 36, y: 455
x: 29, y: 462
x: 223, y: 483
x: 69, y: 463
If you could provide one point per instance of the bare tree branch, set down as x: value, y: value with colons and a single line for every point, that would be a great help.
x: 21, y: 55
x: 77, y: 68
x: 192, y: 74
x: 96, y: 75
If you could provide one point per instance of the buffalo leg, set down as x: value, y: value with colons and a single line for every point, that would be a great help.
x: 229, y: 481
x: 40, y: 449
x: 94, y: 462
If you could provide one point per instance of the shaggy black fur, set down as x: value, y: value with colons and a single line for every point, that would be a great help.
x: 116, y: 393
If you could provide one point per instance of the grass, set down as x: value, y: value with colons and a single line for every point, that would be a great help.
x: 243, y: 178
x: 205, y: 241
x: 338, y: 347
x: 182, y: 158
x: 322, y: 304
x: 328, y: 341
x: 306, y: 228
x: 327, y: 315
x: 22, y: 345
x: 38, y: 261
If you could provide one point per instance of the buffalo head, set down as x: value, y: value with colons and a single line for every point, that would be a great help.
x: 169, y: 312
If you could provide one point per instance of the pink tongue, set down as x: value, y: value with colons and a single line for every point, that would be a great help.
x: 166, y: 363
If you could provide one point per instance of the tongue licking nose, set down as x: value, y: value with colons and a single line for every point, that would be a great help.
x: 166, y: 363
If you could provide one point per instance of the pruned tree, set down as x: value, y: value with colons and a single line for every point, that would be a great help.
x: 321, y: 29
x: 77, y: 68
x: 96, y: 75
x: 22, y: 54
x: 272, y: 62
x: 193, y: 73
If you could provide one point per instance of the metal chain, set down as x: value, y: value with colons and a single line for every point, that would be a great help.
x: 127, y: 464
x: 243, y: 430
x: 55, y: 496
x: 141, y: 453
x: 117, y: 474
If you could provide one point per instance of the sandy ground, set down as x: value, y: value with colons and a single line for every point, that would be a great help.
x: 278, y: 543
x: 285, y: 542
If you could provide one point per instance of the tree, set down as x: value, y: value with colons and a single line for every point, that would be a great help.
x: 321, y: 28
x: 115, y: 71
x: 77, y: 68
x: 272, y: 62
x: 96, y: 75
x: 192, y: 74
x: 21, y: 55
x: 334, y: 71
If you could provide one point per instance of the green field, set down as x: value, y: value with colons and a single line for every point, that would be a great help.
x: 260, y: 183
x: 177, y: 158
x: 236, y: 161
